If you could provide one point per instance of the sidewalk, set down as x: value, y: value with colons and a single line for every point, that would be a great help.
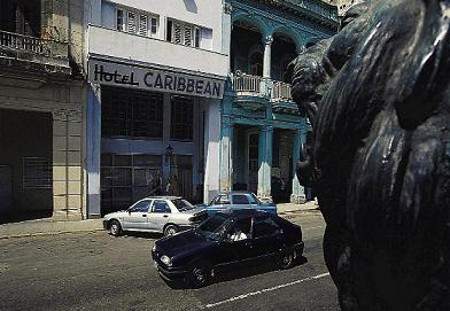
x: 48, y: 227
x: 287, y: 208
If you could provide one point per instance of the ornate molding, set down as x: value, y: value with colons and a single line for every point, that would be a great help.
x: 268, y: 40
x: 227, y: 8
x: 75, y: 115
x: 60, y: 115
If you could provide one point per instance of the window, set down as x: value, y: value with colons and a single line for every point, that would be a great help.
x: 132, y: 114
x: 141, y: 207
x: 161, y: 207
x: 240, y: 199
x: 222, y: 199
x: 136, y: 22
x: 198, y: 37
x: 120, y: 25
x: 128, y: 178
x: 185, y: 34
x: 37, y: 173
x: 265, y: 227
x: 182, y: 119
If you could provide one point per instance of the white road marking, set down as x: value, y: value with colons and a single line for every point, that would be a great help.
x: 244, y: 296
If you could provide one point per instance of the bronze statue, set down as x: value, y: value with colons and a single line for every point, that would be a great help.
x: 378, y: 97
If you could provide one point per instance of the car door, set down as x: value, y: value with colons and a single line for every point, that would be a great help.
x: 137, y: 217
x: 267, y: 238
x: 160, y: 215
x: 238, y: 243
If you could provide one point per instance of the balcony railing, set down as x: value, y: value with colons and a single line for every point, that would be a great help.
x: 21, y: 42
x: 282, y: 91
x: 246, y: 83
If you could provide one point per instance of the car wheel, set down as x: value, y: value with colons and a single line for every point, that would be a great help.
x: 170, y: 230
x: 286, y: 259
x: 199, y: 274
x: 114, y: 228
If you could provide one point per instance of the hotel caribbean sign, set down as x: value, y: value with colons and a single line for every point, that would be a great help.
x: 110, y: 73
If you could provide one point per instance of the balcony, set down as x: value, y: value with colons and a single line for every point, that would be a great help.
x: 14, y: 41
x: 22, y: 51
x: 125, y: 46
x: 253, y: 91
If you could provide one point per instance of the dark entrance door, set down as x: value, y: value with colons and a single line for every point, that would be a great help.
x: 5, y: 189
x: 26, y: 165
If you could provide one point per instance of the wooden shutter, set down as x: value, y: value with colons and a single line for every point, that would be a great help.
x: 143, y: 25
x: 177, y: 33
x: 188, y: 35
x: 132, y: 22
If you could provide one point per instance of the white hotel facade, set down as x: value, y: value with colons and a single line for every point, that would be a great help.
x: 157, y: 73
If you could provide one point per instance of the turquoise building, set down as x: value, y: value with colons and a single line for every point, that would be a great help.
x: 261, y: 130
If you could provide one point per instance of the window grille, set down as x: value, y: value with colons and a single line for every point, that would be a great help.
x: 182, y: 118
x: 128, y: 178
x: 132, y: 114
x: 37, y: 173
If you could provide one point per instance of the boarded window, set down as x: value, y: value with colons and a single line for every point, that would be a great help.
x: 37, y: 173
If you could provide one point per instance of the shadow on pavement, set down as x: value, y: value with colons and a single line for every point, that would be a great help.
x: 242, y: 272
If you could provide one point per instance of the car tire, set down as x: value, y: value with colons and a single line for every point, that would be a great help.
x: 171, y: 230
x: 199, y: 274
x: 286, y: 260
x: 115, y: 229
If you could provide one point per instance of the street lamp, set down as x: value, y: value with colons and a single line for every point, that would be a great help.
x: 169, y: 152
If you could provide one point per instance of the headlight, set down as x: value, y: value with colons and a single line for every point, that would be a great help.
x: 166, y: 260
x: 154, y: 247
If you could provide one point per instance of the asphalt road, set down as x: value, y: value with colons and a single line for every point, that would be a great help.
x: 99, y: 272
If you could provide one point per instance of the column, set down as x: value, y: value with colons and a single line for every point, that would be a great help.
x: 265, y: 163
x: 93, y: 150
x: 67, y: 164
x: 226, y: 30
x: 212, y: 150
x: 267, y: 56
x: 298, y: 191
x: 167, y: 113
x: 226, y: 142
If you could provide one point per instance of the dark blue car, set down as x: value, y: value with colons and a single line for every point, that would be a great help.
x: 237, y: 200
x: 227, y: 240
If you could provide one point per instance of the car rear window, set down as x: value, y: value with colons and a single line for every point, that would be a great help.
x: 182, y: 205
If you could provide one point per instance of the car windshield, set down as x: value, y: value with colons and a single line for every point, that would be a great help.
x: 182, y: 205
x: 214, y: 228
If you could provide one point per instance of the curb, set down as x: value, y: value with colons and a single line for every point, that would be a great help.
x: 36, y: 234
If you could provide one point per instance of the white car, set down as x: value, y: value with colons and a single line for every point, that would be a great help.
x: 164, y: 214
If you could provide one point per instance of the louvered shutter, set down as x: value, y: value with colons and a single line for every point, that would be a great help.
x: 187, y: 35
x: 132, y: 22
x: 177, y: 33
x: 143, y: 25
